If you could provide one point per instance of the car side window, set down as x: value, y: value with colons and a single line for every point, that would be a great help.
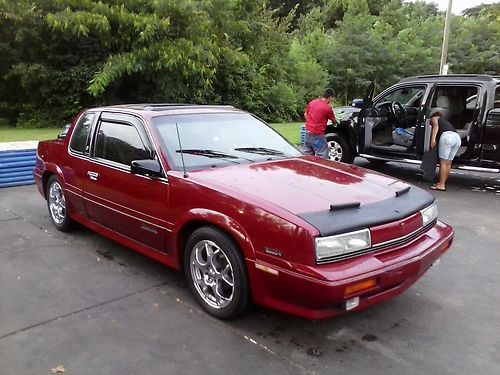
x: 497, y: 98
x: 79, y: 137
x: 119, y: 143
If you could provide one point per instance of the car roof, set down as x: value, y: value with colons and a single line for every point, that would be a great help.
x: 159, y: 109
x: 452, y: 78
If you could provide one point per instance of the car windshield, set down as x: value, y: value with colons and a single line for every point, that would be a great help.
x: 409, y: 96
x: 219, y: 139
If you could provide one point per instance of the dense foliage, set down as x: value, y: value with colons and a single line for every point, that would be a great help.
x: 266, y: 56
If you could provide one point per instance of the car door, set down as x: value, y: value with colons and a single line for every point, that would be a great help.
x: 75, y: 167
x: 365, y: 121
x: 377, y: 119
x: 491, y: 136
x: 491, y: 140
x: 132, y: 205
x: 423, y: 127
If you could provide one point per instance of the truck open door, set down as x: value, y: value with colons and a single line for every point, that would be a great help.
x: 366, y: 120
x: 423, y: 128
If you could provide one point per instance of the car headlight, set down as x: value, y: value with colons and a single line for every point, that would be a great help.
x: 341, y: 244
x: 429, y: 214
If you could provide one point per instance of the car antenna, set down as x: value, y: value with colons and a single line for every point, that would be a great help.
x: 182, y: 153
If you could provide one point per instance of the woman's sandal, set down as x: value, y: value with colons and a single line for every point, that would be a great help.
x: 435, y: 187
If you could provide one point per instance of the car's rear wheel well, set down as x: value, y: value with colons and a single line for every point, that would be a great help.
x: 45, y: 179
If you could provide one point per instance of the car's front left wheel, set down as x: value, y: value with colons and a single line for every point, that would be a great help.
x: 216, y: 273
x: 338, y: 148
x: 56, y: 203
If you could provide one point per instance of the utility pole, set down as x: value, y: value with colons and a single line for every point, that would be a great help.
x: 443, y: 68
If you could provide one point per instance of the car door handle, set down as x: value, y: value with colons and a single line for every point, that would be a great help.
x: 93, y: 175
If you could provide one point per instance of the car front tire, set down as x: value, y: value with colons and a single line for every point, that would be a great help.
x: 56, y: 204
x: 339, y: 148
x: 216, y: 273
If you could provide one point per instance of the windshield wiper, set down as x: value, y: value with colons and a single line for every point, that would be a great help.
x: 208, y: 153
x: 260, y: 150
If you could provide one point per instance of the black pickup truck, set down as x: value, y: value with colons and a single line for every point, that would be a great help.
x: 395, y: 125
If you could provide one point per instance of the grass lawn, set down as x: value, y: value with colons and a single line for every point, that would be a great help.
x: 15, y: 134
x: 290, y: 130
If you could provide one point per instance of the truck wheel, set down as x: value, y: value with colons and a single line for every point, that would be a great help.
x: 339, y: 149
x: 56, y: 203
x: 216, y: 273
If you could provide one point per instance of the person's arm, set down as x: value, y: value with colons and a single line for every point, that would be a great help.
x: 435, y: 128
x: 331, y: 114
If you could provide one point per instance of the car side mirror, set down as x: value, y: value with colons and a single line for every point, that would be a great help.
x: 62, y: 134
x: 357, y: 103
x: 146, y: 167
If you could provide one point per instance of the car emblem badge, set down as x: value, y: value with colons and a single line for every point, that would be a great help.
x: 274, y: 252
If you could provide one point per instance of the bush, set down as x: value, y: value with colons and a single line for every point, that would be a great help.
x: 33, y: 118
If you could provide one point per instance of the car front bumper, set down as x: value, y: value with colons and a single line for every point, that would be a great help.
x: 318, y: 292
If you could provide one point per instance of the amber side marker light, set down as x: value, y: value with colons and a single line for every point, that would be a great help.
x: 359, y: 287
x: 266, y: 269
x: 444, y: 247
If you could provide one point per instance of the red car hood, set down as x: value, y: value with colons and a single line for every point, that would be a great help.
x: 300, y: 185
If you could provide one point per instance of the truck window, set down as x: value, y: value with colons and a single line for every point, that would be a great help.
x: 457, y: 104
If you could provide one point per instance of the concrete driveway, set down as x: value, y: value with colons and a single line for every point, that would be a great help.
x: 85, y: 303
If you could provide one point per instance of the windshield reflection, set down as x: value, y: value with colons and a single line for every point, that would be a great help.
x: 219, y: 139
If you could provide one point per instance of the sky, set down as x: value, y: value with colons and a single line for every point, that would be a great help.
x: 459, y: 5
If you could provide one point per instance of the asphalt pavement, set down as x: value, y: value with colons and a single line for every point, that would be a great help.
x: 83, y: 304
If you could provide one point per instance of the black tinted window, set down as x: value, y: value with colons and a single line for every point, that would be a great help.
x: 120, y: 143
x: 79, y: 138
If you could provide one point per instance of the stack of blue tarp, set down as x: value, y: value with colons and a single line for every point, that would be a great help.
x: 16, y: 167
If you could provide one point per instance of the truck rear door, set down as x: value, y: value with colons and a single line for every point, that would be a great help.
x: 491, y: 134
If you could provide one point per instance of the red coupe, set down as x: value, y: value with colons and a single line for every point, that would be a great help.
x: 216, y: 192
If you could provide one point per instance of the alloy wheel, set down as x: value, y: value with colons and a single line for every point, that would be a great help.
x: 212, y: 274
x: 335, y: 151
x: 57, y: 203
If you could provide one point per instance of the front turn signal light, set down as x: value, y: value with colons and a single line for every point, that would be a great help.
x: 360, y: 287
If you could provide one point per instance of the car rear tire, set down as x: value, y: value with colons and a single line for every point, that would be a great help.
x: 216, y: 273
x: 56, y: 204
x: 339, y: 148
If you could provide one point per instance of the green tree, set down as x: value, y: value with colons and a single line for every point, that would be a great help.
x: 399, y: 41
x: 267, y: 56
x: 475, y: 41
